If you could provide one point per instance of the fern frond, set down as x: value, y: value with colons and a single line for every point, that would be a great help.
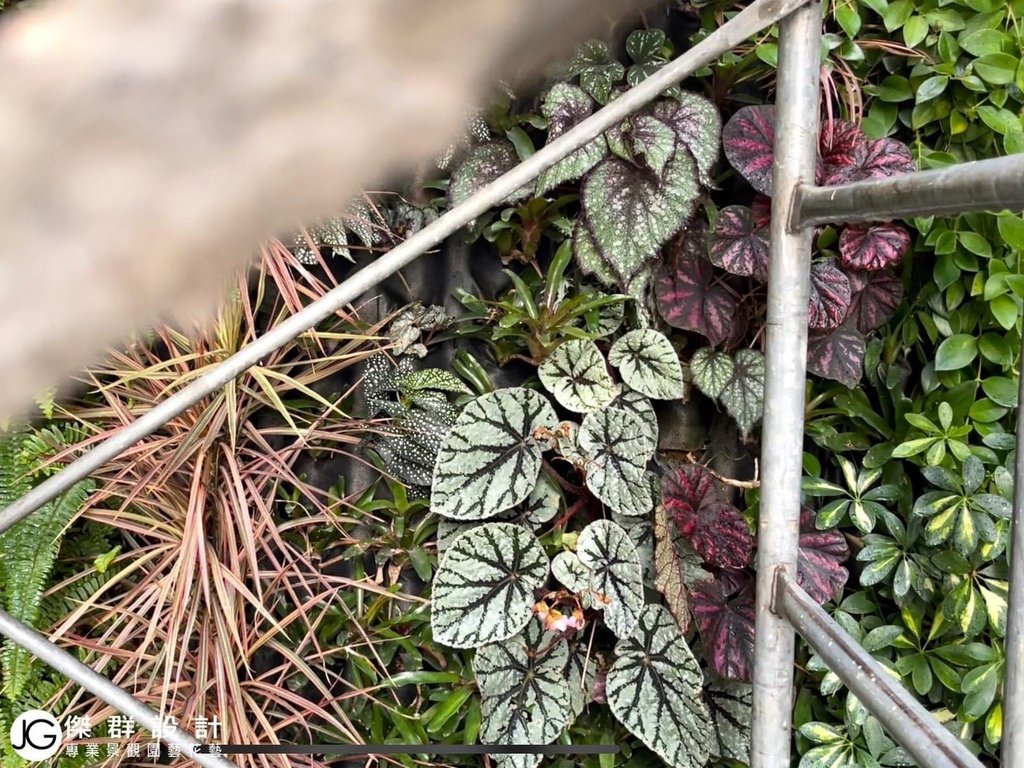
x: 38, y: 446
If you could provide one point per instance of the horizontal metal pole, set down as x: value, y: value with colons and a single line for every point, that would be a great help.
x: 909, y: 723
x: 1013, y: 652
x: 118, y: 698
x: 754, y: 18
x: 982, y: 185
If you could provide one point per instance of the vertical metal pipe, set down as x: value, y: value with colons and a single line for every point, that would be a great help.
x: 796, y: 141
x: 1013, y: 686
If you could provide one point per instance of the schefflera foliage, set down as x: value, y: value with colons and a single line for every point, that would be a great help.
x: 493, y: 492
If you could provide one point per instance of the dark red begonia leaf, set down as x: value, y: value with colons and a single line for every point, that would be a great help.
x: 819, y: 567
x: 829, y: 295
x: 875, y: 297
x: 837, y: 355
x: 842, y: 150
x: 716, y: 530
x: 724, y: 610
x: 874, y: 246
x: 885, y: 157
x: 749, y: 142
x: 762, y: 208
x: 738, y: 245
x: 685, y: 294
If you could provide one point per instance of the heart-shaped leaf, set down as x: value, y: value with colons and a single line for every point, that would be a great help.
x: 654, y: 689
x: 576, y: 374
x: 697, y: 124
x: 632, y: 212
x: 837, y: 355
x: 643, y: 139
x: 712, y: 371
x: 490, y: 460
x: 580, y: 676
x: 696, y: 502
x: 589, y: 259
x: 885, y: 157
x: 819, y: 566
x: 618, y: 446
x: 670, y: 568
x: 409, y: 446
x: 523, y: 695
x: 875, y: 297
x: 565, y: 105
x: 606, y: 549
x: 571, y: 572
x: 686, y: 294
x: 724, y: 610
x: 730, y: 705
x: 874, y: 246
x: 646, y: 47
x: 648, y: 363
x: 738, y: 245
x: 482, y: 165
x: 640, y: 406
x: 749, y: 142
x: 842, y: 150
x: 829, y: 295
x: 597, y: 69
x: 743, y: 395
x: 483, y: 589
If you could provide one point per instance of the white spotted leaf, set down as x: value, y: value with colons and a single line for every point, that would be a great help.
x: 484, y: 585
x: 490, y: 460
x: 649, y: 364
x: 743, y: 395
x: 711, y: 371
x: 616, y: 574
x: 524, y: 698
x: 654, y: 689
x: 576, y: 374
x: 565, y: 105
x: 618, y: 445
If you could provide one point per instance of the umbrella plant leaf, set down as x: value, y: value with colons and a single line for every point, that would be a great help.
x: 697, y: 124
x: 654, y: 689
x: 632, y: 212
x: 837, y: 355
x: 523, y: 695
x: 819, y: 565
x: 738, y: 244
x: 484, y: 585
x: 743, y: 395
x: 597, y: 69
x: 874, y: 297
x: 724, y: 611
x: 618, y: 446
x: 730, y: 705
x: 648, y: 363
x: 829, y: 299
x: 490, y: 460
x: 565, y: 105
x: 711, y: 371
x: 616, y: 578
x: 687, y: 295
x: 873, y: 246
x: 696, y: 502
x: 749, y: 143
x: 576, y: 374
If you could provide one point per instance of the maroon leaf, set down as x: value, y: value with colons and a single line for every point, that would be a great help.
x: 876, y: 295
x: 837, y: 355
x: 748, y: 139
x: 842, y: 149
x: 724, y: 610
x: 685, y: 294
x: 885, y: 157
x: 717, y: 530
x: 762, y: 208
x: 819, y: 567
x: 738, y: 245
x: 873, y: 247
x: 829, y: 295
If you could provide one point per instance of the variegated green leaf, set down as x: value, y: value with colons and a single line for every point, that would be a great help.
x: 410, y: 444
x: 589, y: 259
x: 576, y: 374
x: 606, y: 549
x: 580, y: 673
x: 432, y: 378
x: 641, y: 533
x: 523, y: 694
x: 490, y: 460
x: 730, y: 706
x: 711, y: 371
x: 598, y: 70
x: 743, y: 395
x: 640, y: 406
x: 649, y: 364
x: 566, y: 105
x: 643, y: 139
x: 485, y: 583
x: 483, y: 164
x: 654, y: 689
x: 571, y: 572
x: 697, y: 124
x: 618, y: 446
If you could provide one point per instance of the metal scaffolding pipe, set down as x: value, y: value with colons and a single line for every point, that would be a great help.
x: 913, y: 726
x: 1013, y: 650
x: 796, y: 139
x: 756, y: 17
x: 982, y: 185
x: 121, y: 700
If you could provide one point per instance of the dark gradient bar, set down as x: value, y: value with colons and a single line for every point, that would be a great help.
x: 409, y: 749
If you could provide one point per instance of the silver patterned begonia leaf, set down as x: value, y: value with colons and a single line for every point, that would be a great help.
x: 618, y: 445
x: 576, y: 374
x: 616, y: 574
x: 730, y: 705
x: 648, y: 363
